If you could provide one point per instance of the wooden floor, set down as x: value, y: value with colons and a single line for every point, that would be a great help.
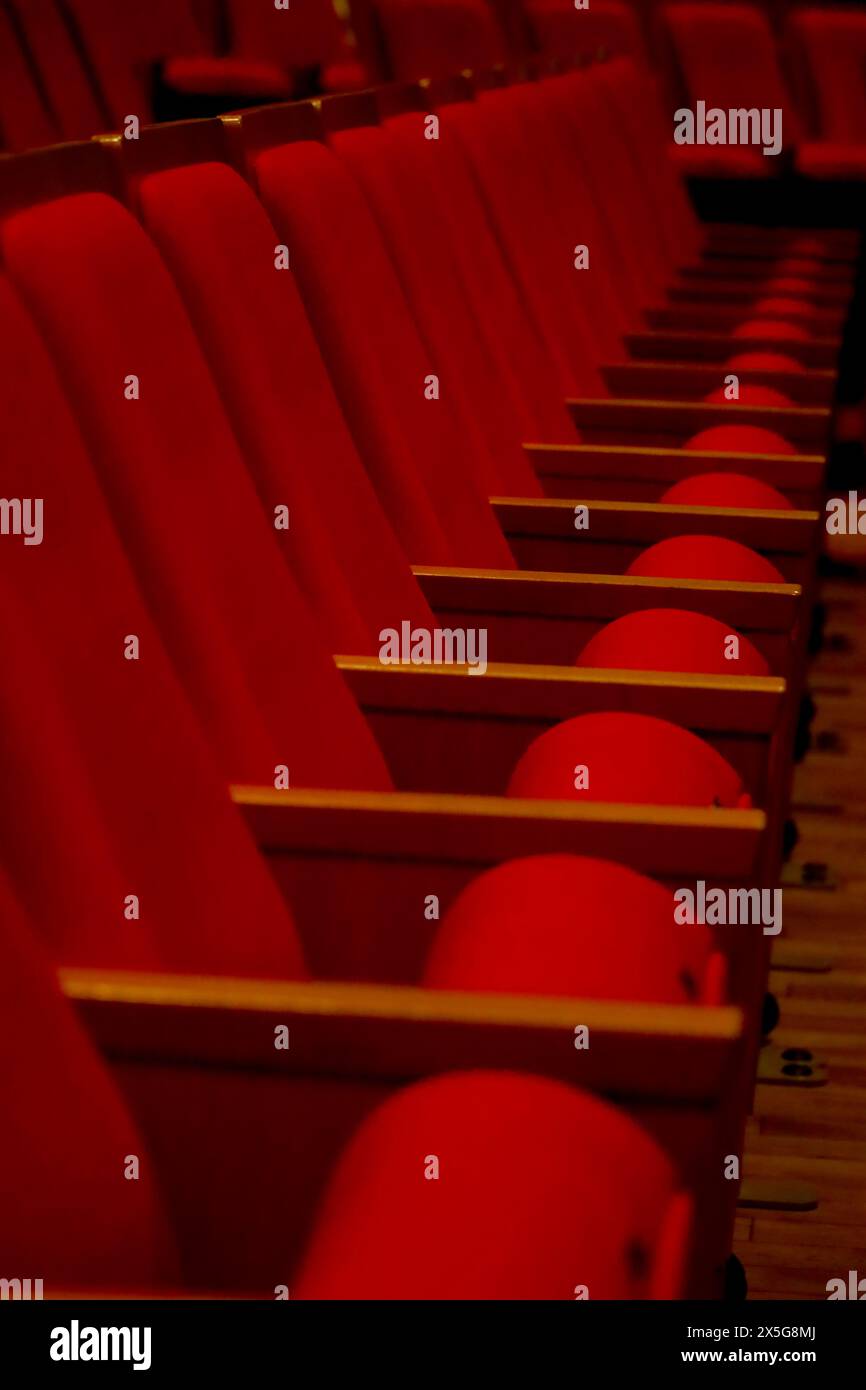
x: 818, y: 1136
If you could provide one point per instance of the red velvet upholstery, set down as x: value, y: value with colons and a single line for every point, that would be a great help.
x: 510, y: 335
x: 750, y: 394
x: 306, y: 34
x: 725, y: 490
x: 70, y: 1216
x: 419, y: 451
x: 705, y: 557
x: 727, y: 56
x: 73, y: 98
x: 831, y: 46
x: 583, y: 1198
x: 668, y: 639
x: 770, y: 328
x: 546, y: 925
x: 123, y: 45
x: 541, y: 257
x: 235, y: 624
x: 24, y: 120
x: 562, y: 31
x: 739, y: 439
x: 416, y: 238
x: 765, y: 362
x: 629, y: 757
x: 776, y: 306
x: 832, y: 160
x: 433, y: 38
x: 219, y: 245
x: 106, y: 772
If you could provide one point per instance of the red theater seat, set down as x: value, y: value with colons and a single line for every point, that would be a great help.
x: 667, y: 639
x: 561, y: 924
x: 705, y: 557
x: 727, y: 57
x: 125, y: 45
x: 134, y: 804
x: 542, y: 1193
x: 71, y: 1217
x: 625, y: 757
x: 417, y: 241
x: 563, y: 31
x: 305, y: 34
x: 234, y: 621
x: 212, y: 231
x: 433, y: 38
x: 829, y: 49
x: 419, y: 450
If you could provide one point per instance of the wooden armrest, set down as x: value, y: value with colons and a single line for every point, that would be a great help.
x: 719, y: 347
x: 681, y: 419
x: 444, y: 730
x: 680, y: 381
x: 397, y: 1033
x: 478, y: 831
x: 542, y: 535
x: 711, y: 704
x: 622, y: 471
x: 197, y: 1062
x: 602, y: 597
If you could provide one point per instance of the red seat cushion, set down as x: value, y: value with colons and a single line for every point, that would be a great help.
x: 628, y: 757
x: 725, y: 490
x: 584, y: 1200
x: 765, y: 362
x: 739, y: 439
x: 705, y: 557
x: 750, y: 393
x: 769, y: 328
x: 670, y: 639
x: 546, y: 925
x: 71, y: 1218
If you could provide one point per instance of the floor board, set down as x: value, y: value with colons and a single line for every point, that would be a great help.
x: 819, y: 1135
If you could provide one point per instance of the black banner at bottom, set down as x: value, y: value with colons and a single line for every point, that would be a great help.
x: 160, y: 1339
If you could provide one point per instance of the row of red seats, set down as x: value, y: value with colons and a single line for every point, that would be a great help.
x: 74, y: 67
x: 71, y: 68
x: 170, y: 390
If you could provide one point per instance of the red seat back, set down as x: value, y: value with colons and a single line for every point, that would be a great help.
x: 585, y: 1199
x: 25, y: 122
x: 70, y: 93
x: 417, y: 448
x: 432, y: 38
x: 71, y: 1217
x: 107, y: 774
x: 207, y: 559
x: 219, y: 244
